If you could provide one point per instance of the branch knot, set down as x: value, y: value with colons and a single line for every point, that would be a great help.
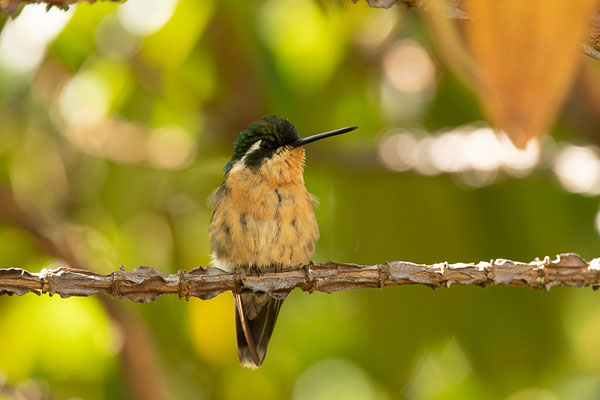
x: 117, y: 278
x: 383, y: 272
x: 309, y: 286
x: 47, y: 284
x: 184, y: 287
x: 239, y: 276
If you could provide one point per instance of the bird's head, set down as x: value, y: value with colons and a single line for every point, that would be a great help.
x: 273, y: 140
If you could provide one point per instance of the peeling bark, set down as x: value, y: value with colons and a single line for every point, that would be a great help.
x: 144, y: 284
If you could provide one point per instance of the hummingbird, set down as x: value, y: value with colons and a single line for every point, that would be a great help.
x: 263, y: 221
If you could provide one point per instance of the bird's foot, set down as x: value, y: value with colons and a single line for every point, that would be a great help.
x: 255, y: 270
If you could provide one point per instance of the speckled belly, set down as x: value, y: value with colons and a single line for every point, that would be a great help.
x: 265, y: 228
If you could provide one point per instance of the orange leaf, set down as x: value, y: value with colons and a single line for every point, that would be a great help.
x: 526, y: 53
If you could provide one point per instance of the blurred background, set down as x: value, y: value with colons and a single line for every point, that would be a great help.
x: 116, y: 122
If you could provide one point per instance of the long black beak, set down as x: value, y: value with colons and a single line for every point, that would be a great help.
x: 319, y: 136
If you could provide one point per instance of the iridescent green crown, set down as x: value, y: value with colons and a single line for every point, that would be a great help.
x: 272, y: 131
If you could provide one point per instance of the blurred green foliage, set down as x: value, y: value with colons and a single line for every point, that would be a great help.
x: 117, y: 138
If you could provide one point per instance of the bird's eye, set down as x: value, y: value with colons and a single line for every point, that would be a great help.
x: 266, y: 145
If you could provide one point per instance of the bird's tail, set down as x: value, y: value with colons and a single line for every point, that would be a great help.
x: 255, y: 317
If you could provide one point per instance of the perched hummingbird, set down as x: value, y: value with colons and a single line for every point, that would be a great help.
x: 263, y: 221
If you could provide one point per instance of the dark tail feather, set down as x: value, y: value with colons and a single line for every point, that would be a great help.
x: 255, y: 317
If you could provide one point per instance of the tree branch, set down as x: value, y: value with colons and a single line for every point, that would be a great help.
x: 145, y: 284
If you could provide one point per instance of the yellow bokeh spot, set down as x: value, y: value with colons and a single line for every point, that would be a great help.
x: 249, y: 385
x: 586, y: 347
x: 213, y: 329
x: 63, y: 338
